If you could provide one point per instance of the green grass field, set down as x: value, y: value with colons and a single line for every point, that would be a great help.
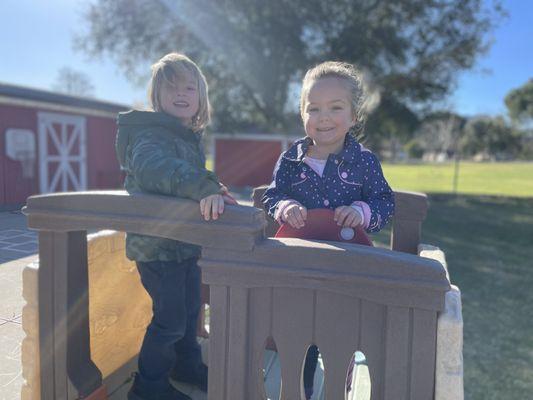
x: 502, y: 179
x: 513, y: 179
x: 487, y: 234
x: 488, y: 243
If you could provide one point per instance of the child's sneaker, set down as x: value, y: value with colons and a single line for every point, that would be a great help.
x: 138, y: 393
x: 196, y: 377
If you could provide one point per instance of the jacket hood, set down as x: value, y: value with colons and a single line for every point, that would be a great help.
x: 132, y: 122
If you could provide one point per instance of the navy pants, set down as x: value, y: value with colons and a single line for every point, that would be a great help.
x: 171, y: 335
x: 311, y: 361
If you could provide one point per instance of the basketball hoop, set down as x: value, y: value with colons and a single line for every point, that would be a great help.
x: 20, y: 146
x: 27, y: 160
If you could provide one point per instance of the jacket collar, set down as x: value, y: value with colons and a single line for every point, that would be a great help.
x: 351, y: 151
x: 143, y: 119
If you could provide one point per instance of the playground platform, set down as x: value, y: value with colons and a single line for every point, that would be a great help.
x: 247, y: 291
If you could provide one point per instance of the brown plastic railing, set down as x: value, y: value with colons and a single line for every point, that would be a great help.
x: 341, y: 297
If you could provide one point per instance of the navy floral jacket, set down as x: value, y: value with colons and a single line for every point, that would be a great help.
x: 354, y: 176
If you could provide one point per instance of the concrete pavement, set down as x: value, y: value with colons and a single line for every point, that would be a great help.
x: 16, y: 241
x: 11, y: 333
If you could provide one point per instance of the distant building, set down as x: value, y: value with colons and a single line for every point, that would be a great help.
x: 247, y: 159
x: 51, y: 142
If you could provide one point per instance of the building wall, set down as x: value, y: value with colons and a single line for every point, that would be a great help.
x: 14, y: 188
x: 247, y: 159
x: 103, y: 171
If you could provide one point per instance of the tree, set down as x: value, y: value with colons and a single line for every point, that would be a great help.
x: 440, y: 132
x: 491, y: 137
x: 519, y: 103
x: 73, y: 82
x: 253, y: 51
x: 391, y: 124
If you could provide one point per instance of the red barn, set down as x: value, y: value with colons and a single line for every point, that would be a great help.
x: 51, y: 142
x: 247, y: 159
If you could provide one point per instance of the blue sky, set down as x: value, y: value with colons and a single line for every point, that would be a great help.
x: 37, y: 42
x: 508, y: 64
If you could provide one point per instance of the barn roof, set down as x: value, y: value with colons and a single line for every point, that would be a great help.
x: 31, y: 94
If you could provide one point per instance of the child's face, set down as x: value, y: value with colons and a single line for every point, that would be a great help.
x: 328, y: 113
x: 180, y: 99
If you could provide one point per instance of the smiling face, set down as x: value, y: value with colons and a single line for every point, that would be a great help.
x: 180, y: 98
x: 327, y: 114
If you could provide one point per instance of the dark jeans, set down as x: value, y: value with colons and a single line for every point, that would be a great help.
x: 171, y: 335
x: 311, y: 361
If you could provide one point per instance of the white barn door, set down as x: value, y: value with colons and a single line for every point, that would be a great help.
x: 62, y: 153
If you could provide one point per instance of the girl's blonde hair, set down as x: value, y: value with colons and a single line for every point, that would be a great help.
x: 354, y: 83
x: 172, y: 67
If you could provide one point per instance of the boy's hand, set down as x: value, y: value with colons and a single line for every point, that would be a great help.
x: 228, y: 198
x: 295, y: 215
x: 212, y: 206
x: 347, y: 217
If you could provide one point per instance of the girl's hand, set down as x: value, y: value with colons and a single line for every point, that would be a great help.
x: 295, y: 215
x: 347, y: 216
x: 212, y: 206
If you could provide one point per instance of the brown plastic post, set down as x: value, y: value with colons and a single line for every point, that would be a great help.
x: 272, y: 226
x: 410, y: 212
x: 64, y: 317
x: 81, y: 370
x: 46, y: 314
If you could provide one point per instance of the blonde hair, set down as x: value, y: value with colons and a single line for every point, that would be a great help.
x: 174, y: 66
x: 354, y: 83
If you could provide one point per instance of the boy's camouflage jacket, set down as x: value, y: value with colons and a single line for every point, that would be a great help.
x: 161, y: 156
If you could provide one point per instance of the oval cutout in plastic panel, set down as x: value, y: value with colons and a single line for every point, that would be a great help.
x: 271, y: 370
x: 313, y: 375
x: 358, y: 383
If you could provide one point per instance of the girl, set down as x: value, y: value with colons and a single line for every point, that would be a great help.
x: 329, y: 168
x: 161, y: 153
